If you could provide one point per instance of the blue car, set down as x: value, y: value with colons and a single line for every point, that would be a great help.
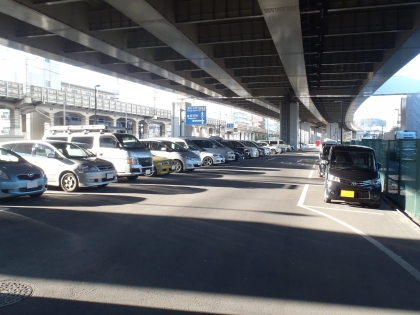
x: 19, y: 177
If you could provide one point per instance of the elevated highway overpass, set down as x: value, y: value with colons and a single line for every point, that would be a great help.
x: 262, y: 56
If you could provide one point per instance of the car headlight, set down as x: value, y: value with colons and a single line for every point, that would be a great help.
x: 3, y: 175
x: 132, y: 160
x: 160, y: 163
x: 376, y: 181
x: 334, y: 178
x: 88, y: 168
x: 215, y: 155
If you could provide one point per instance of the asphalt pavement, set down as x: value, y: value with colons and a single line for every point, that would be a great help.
x: 248, y: 237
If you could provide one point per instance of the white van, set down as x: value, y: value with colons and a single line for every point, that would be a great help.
x: 129, y: 157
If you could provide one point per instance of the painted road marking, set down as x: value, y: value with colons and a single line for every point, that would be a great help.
x: 347, y: 210
x: 413, y: 271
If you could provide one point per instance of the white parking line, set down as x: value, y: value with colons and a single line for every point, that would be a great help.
x: 413, y: 271
x: 347, y: 210
x: 310, y: 174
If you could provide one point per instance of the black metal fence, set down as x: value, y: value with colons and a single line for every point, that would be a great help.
x: 400, y: 171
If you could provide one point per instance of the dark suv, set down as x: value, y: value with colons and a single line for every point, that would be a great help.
x: 352, y: 175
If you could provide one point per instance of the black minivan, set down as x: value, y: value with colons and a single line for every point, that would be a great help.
x: 352, y: 175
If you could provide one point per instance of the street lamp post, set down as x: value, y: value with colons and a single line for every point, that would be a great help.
x: 96, y: 87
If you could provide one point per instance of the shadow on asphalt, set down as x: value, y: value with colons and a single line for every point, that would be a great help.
x: 249, y: 259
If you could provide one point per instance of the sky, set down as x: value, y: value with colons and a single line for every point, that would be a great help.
x: 384, y: 107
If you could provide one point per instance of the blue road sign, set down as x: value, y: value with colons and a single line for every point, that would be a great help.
x: 195, y: 115
x: 229, y: 125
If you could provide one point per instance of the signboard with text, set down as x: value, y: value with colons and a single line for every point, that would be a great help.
x: 228, y: 125
x: 195, y: 115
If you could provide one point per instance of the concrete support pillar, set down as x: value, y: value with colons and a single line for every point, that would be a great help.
x: 305, y: 132
x: 294, y: 124
x: 178, y: 117
x: 332, y: 131
x: 289, y: 118
x: 15, y: 123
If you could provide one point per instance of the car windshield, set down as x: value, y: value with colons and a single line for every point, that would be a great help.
x: 249, y: 144
x: 217, y: 144
x: 71, y: 150
x: 174, y: 146
x: 8, y: 157
x: 193, y: 146
x: 129, y: 141
x: 344, y: 159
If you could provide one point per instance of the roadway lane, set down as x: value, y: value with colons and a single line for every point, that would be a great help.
x: 252, y: 237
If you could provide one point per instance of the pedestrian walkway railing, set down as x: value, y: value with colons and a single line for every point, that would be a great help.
x: 400, y: 171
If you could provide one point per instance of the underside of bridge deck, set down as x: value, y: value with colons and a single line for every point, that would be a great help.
x: 251, y: 54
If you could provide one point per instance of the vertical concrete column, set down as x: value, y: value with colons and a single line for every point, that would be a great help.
x: 135, y: 126
x: 145, y: 130
x: 305, y: 131
x: 52, y: 119
x: 332, y: 131
x: 15, y: 122
x: 294, y: 124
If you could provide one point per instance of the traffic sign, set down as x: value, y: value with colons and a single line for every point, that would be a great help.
x: 195, y: 115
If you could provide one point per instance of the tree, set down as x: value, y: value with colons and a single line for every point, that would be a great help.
x: 395, y: 128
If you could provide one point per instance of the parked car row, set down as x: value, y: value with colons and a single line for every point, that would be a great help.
x: 96, y: 155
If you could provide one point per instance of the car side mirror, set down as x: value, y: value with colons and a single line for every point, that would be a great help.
x: 379, y: 165
x: 51, y: 156
x: 163, y: 149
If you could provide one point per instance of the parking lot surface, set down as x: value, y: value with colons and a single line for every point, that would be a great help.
x: 248, y: 237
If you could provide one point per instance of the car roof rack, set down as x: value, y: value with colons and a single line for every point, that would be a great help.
x: 85, y: 129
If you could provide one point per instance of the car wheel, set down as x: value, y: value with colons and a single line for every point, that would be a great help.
x: 326, y: 199
x: 132, y: 177
x: 179, y: 167
x: 273, y: 151
x: 376, y: 205
x: 36, y: 195
x: 69, y: 182
x: 207, y: 161
x: 154, y: 173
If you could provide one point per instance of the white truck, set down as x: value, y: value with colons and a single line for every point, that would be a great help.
x: 399, y: 134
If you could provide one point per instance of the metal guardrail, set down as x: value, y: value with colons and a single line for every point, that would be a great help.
x: 11, y: 90
x: 14, y: 90
x: 400, y: 171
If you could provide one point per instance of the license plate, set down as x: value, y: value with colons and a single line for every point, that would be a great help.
x: 147, y: 172
x: 173, y: 167
x: 32, y: 184
x: 347, y: 193
x: 109, y: 175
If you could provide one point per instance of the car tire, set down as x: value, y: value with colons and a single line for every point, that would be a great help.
x: 132, y: 177
x: 326, y: 199
x: 273, y: 151
x: 207, y: 161
x: 154, y: 173
x: 179, y: 166
x: 36, y: 195
x: 69, y: 182
x: 375, y: 205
